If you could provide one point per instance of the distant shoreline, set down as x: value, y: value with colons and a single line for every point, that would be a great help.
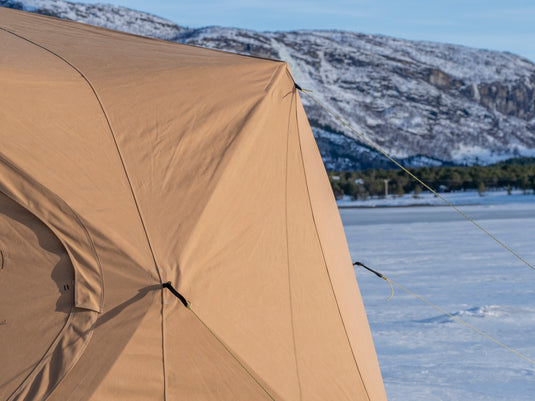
x: 401, y: 206
x: 427, y: 199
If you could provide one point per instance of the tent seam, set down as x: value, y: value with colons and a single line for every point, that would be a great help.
x: 74, y: 362
x: 288, y: 252
x: 274, y: 75
x: 325, y: 260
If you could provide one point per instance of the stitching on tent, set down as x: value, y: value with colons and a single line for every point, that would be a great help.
x: 274, y: 75
x: 288, y: 244
x: 74, y: 361
x: 325, y: 261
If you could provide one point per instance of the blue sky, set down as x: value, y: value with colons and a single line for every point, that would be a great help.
x: 507, y: 25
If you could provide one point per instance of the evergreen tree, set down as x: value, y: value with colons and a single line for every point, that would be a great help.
x: 481, y: 188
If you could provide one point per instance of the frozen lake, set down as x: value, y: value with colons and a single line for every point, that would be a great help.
x: 434, y: 252
x: 433, y: 214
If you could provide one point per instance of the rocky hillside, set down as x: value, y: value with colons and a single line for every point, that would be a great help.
x: 424, y: 103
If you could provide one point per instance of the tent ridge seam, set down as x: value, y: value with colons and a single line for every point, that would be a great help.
x: 273, y: 77
x: 288, y: 249
x: 325, y: 261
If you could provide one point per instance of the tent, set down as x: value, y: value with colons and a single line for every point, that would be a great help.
x: 127, y: 163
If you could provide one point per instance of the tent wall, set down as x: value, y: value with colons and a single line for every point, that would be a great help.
x: 188, y: 165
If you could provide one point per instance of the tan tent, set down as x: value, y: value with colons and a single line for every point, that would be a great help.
x: 127, y: 163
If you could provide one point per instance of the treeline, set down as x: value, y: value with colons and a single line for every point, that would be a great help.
x: 511, y: 174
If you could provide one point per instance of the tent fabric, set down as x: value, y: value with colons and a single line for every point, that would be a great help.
x: 127, y: 162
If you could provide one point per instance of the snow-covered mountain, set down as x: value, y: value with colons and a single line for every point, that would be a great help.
x: 104, y: 15
x: 424, y: 103
x: 414, y: 99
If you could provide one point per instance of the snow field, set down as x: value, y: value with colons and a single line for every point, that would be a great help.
x: 423, y: 354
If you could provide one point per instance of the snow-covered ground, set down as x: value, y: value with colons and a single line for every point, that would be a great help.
x: 427, y: 356
x: 457, y: 198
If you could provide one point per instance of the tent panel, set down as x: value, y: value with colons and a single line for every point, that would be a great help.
x: 234, y: 265
x: 200, y: 368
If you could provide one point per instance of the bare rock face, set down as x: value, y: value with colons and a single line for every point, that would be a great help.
x: 512, y: 100
x: 424, y: 103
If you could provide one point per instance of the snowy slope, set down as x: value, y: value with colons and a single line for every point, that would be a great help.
x: 425, y: 103
x: 107, y: 16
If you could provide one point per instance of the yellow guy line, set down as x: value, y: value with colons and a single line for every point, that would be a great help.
x: 373, y: 145
x: 443, y: 311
